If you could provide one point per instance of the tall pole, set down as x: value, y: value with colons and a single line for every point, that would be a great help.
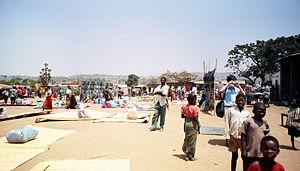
x: 204, y: 67
x: 214, y: 98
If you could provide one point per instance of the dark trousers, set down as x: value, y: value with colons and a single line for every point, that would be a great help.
x: 12, y: 100
x: 5, y: 99
x: 159, y: 112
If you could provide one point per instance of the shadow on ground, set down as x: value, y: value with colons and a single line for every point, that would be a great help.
x: 220, y: 142
x: 180, y: 156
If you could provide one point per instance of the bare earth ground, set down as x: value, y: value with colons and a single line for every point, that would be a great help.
x: 147, y: 150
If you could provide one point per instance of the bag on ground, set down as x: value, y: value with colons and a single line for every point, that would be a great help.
x: 220, y: 109
x: 21, y: 135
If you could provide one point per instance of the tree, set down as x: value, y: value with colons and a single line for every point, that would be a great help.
x: 256, y: 60
x: 152, y: 81
x: 45, y: 75
x: 133, y: 80
x: 16, y: 81
x: 180, y: 77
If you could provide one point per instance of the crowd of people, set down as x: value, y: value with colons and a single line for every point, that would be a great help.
x: 16, y: 94
x: 249, y: 133
x: 244, y: 132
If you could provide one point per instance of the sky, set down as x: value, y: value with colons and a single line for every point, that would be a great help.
x: 142, y: 37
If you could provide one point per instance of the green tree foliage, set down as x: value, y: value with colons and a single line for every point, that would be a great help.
x: 45, y: 75
x: 256, y: 60
x: 183, y: 76
x: 18, y: 81
x: 152, y: 81
x: 133, y: 80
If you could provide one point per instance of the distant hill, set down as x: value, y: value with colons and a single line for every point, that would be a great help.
x: 120, y: 79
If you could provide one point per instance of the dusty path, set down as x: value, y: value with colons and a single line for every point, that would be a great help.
x: 148, y: 150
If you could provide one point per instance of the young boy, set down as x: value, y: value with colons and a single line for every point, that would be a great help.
x: 252, y: 132
x: 270, y: 149
x: 234, y: 118
x: 191, y: 127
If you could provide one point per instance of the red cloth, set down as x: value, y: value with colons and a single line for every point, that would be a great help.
x: 19, y: 92
x: 190, y: 111
x: 54, y: 94
x: 48, y: 103
x: 24, y: 91
x: 255, y: 166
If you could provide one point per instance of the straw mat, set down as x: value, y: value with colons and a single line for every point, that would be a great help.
x: 84, y: 165
x: 72, y: 116
x: 122, y: 117
x: 13, y: 155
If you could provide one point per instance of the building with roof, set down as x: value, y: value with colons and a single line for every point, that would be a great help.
x: 289, y: 76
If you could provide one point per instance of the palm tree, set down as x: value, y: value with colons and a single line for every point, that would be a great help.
x: 45, y: 75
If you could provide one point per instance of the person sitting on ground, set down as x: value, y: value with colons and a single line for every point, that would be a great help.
x: 252, y: 131
x: 190, y: 114
x: 233, y: 121
x: 270, y: 149
x: 70, y: 99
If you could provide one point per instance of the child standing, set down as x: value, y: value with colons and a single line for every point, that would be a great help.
x: 252, y: 132
x: 234, y: 118
x: 190, y: 114
x: 293, y: 121
x: 270, y: 149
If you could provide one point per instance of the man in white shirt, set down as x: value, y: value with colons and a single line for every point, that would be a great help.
x: 160, y: 104
x: 234, y: 117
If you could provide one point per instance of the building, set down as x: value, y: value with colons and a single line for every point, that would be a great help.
x: 289, y: 76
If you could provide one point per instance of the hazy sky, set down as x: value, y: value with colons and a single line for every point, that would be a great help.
x: 143, y: 37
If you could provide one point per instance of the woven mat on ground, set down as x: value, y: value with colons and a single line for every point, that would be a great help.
x: 205, y: 130
x: 73, y: 116
x: 23, y: 115
x: 122, y: 117
x: 13, y: 155
x: 84, y: 165
x: 143, y: 107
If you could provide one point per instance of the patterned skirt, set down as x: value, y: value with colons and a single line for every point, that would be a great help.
x: 191, y: 131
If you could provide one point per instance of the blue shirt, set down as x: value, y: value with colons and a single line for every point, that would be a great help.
x: 230, y: 95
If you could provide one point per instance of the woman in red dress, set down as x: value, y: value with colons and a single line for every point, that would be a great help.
x: 48, y: 102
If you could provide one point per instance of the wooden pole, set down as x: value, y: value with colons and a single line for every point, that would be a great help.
x: 203, y: 67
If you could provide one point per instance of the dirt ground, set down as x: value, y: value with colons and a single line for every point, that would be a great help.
x: 146, y: 150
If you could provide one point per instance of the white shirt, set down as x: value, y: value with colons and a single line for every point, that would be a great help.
x: 233, y: 121
x: 162, y: 100
x: 68, y: 91
x: 194, y: 89
x: 48, y: 93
